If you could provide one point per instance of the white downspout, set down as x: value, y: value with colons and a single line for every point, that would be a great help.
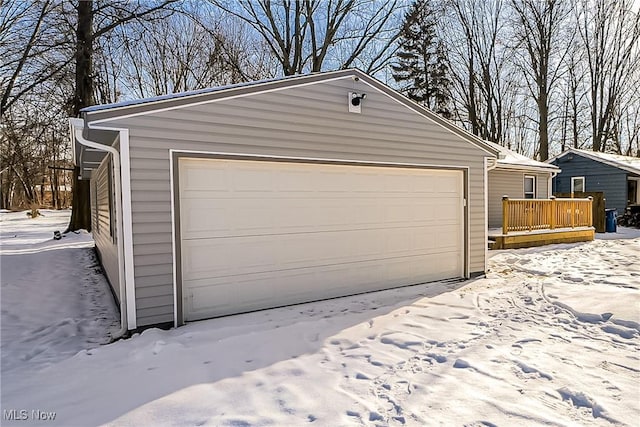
x: 78, y: 125
x: 487, y: 168
x: 550, y: 185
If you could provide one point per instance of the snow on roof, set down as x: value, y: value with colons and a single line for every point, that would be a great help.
x: 512, y: 159
x: 630, y: 164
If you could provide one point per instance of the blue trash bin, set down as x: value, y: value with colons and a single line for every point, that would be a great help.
x: 611, y: 220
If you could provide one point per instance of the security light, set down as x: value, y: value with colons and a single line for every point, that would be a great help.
x: 356, y: 99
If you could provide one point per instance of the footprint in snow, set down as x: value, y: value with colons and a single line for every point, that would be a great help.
x: 461, y: 364
x: 374, y: 416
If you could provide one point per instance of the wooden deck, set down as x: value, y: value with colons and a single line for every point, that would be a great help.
x: 538, y: 222
x: 527, y: 239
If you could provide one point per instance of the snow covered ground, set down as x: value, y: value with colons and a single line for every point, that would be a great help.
x: 55, y: 302
x: 550, y: 337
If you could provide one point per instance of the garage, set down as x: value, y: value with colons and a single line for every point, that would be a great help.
x: 270, y: 193
x: 263, y: 233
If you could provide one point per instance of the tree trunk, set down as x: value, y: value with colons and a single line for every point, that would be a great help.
x: 81, y: 206
x: 543, y: 126
x: 3, y: 204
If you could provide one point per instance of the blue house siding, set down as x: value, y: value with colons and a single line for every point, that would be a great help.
x: 597, y: 177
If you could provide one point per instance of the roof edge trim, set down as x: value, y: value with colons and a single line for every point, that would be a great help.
x: 214, y: 95
x: 595, y: 158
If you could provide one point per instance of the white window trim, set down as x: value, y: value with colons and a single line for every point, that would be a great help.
x: 535, y: 185
x: 637, y: 180
x: 578, y: 178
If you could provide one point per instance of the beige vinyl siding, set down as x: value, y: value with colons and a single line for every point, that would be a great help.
x: 101, y: 223
x: 509, y: 182
x: 312, y: 122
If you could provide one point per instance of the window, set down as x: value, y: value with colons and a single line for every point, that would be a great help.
x: 529, y: 187
x: 577, y: 184
x: 632, y: 191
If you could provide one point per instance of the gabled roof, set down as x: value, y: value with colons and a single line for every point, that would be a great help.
x: 626, y: 163
x: 105, y: 113
x: 511, y: 160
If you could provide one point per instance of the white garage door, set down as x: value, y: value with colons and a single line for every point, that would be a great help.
x: 261, y: 234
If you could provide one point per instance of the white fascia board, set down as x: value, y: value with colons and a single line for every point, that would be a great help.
x: 526, y: 168
x: 596, y: 158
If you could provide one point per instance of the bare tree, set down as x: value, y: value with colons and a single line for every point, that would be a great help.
x: 481, y: 84
x: 96, y: 20
x: 574, y: 94
x: 610, y: 31
x: 29, y: 39
x: 30, y: 137
x: 313, y: 35
x: 179, y: 54
x: 538, y: 30
x: 35, y: 62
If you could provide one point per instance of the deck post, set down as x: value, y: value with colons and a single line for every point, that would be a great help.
x: 505, y: 214
x: 590, y: 211
x: 572, y: 205
x: 552, y: 216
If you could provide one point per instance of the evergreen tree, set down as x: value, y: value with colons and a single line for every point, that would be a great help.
x: 421, y: 66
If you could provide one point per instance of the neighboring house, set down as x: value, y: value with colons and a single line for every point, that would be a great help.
x: 518, y: 177
x: 617, y: 176
x: 278, y: 192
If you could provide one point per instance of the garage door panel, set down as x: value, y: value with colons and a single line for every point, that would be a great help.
x: 244, y: 293
x: 205, y: 218
x: 218, y: 257
x: 258, y: 234
x: 201, y: 178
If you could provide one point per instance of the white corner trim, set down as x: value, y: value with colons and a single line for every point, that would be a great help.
x: 486, y: 212
x: 466, y: 240
x: 127, y: 224
x: 173, y: 241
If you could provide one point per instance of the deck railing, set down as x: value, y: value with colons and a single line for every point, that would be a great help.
x: 545, y: 214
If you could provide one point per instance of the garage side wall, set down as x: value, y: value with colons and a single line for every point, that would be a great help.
x: 103, y: 224
x: 311, y: 121
x: 511, y: 183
